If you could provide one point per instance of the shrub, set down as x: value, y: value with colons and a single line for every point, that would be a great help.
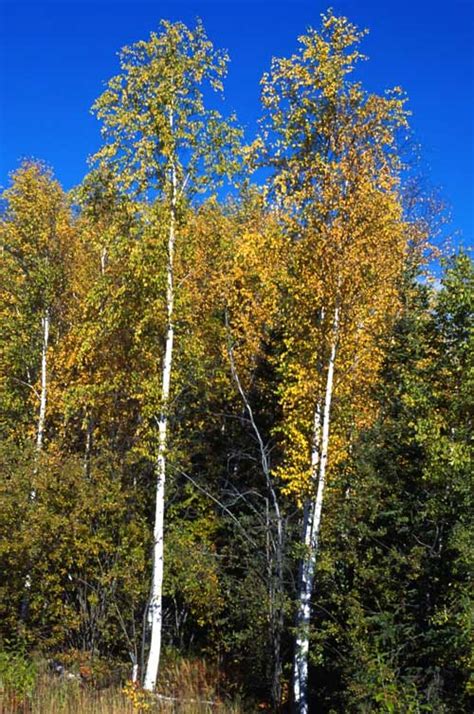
x: 17, y: 680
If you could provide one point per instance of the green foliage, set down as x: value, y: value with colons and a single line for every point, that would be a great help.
x: 82, y: 544
x: 397, y: 551
x: 17, y: 678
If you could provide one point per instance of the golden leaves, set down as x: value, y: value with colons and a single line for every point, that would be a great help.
x: 333, y: 147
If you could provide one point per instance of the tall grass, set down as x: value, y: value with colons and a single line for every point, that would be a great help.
x: 186, y: 687
x: 51, y: 696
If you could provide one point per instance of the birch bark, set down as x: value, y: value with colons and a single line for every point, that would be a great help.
x: 311, y: 530
x: 155, y: 607
x: 44, y: 382
x: 45, y: 323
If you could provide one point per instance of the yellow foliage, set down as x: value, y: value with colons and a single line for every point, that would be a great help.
x: 334, y: 148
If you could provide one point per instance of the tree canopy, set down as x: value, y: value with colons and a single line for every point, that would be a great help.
x: 235, y: 409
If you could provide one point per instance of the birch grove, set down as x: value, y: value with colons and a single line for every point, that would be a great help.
x: 234, y: 419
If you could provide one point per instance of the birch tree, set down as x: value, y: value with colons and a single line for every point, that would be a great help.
x: 333, y: 147
x: 96, y: 364
x: 35, y: 240
x: 165, y: 145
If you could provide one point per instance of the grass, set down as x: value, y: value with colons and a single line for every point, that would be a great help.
x: 187, y: 687
x: 51, y: 696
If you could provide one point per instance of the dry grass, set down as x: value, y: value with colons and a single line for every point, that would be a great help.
x: 187, y: 687
x: 51, y: 696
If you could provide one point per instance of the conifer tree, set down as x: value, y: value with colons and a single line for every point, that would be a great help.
x: 398, y: 578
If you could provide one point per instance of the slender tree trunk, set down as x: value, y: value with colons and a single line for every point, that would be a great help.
x: 311, y: 530
x: 103, y: 260
x: 278, y: 607
x: 45, y: 323
x: 44, y: 382
x: 275, y: 575
x: 88, y: 447
x: 155, y: 607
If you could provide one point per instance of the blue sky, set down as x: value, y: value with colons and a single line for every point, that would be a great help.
x: 55, y: 57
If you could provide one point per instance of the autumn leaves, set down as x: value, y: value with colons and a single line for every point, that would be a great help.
x: 162, y: 298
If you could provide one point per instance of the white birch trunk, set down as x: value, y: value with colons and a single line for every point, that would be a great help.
x: 311, y: 529
x: 44, y: 382
x: 103, y: 260
x: 45, y: 323
x: 88, y: 448
x: 155, y: 608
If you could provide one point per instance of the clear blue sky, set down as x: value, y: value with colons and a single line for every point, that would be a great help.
x: 56, y: 55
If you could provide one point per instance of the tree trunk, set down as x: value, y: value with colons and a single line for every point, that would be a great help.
x: 275, y: 579
x: 44, y: 382
x: 155, y: 607
x: 311, y: 529
x: 45, y: 323
x: 88, y: 448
